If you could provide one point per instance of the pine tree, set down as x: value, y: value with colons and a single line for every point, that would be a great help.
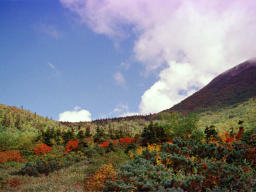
x: 18, y: 123
x: 80, y: 135
x: 6, y: 120
x: 88, y: 132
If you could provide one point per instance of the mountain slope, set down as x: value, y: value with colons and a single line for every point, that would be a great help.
x: 233, y: 86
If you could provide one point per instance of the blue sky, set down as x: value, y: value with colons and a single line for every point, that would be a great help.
x: 77, y: 60
x: 51, y: 63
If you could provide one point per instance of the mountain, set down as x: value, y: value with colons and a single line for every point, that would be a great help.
x: 236, y: 85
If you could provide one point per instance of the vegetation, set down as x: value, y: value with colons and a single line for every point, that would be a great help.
x: 186, y: 165
x: 210, y: 151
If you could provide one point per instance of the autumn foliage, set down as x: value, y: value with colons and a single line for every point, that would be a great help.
x: 42, y: 149
x: 96, y: 182
x: 71, y: 145
x: 10, y: 156
x: 126, y: 140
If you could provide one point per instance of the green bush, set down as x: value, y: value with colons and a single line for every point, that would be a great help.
x: 188, y: 165
x: 153, y: 133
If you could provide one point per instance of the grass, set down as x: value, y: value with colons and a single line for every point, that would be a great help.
x: 226, y: 118
x: 67, y: 179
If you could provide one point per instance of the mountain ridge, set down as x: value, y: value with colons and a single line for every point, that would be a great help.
x: 232, y: 86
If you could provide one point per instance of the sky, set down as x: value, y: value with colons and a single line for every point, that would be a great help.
x: 80, y: 60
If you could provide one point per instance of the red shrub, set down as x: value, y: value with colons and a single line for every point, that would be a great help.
x: 230, y: 140
x: 72, y: 144
x: 104, y: 144
x: 126, y: 140
x: 10, y: 156
x: 42, y: 149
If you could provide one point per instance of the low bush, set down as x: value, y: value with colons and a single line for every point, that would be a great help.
x: 11, y: 156
x: 42, y: 149
x: 39, y: 167
x: 190, y: 166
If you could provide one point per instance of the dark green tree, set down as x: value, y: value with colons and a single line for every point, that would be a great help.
x: 100, y: 135
x: 80, y: 135
x: 210, y: 132
x: 88, y: 132
x: 153, y: 133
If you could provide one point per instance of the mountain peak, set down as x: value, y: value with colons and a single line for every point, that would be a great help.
x: 241, y: 67
x: 233, y: 86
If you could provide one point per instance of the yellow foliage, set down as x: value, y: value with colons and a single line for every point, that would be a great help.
x: 154, y: 147
x: 158, y: 159
x: 96, y: 182
x: 139, y: 150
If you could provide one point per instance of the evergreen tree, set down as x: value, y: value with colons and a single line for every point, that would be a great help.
x: 6, y: 120
x: 88, y: 132
x: 100, y: 135
x: 80, y: 135
x: 18, y: 123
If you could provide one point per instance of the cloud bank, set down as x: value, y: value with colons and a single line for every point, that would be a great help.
x: 192, y: 41
x: 76, y: 115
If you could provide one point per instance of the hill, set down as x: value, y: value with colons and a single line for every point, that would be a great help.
x: 19, y: 127
x: 233, y: 86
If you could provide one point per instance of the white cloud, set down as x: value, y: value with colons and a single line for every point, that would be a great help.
x: 194, y: 40
x: 76, y: 115
x: 127, y: 114
x: 119, y: 78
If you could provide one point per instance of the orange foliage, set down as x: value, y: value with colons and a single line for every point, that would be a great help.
x: 226, y: 138
x: 126, y: 140
x: 42, y: 149
x: 96, y: 182
x: 115, y: 142
x: 11, y: 156
x: 72, y: 144
x: 104, y: 144
x: 170, y: 141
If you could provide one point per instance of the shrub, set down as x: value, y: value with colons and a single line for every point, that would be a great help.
x: 190, y: 166
x: 39, y: 167
x: 210, y: 132
x: 153, y: 133
x: 11, y: 156
x: 96, y: 182
x: 71, y: 145
x: 42, y: 149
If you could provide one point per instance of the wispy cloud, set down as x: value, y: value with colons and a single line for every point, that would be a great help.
x: 191, y: 41
x: 49, y: 30
x: 51, y: 65
x: 56, y: 72
x: 125, y: 65
x: 120, y: 108
x: 75, y: 115
x: 119, y: 78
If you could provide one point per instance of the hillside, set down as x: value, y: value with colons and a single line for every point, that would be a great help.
x: 233, y: 86
x: 224, y: 119
x: 19, y: 128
